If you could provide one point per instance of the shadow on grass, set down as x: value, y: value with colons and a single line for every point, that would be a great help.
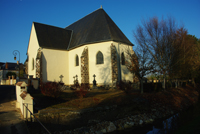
x: 131, y: 104
x: 42, y: 102
x: 125, y: 105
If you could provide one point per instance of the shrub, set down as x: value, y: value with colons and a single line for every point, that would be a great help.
x: 157, y: 86
x: 10, y: 74
x: 83, y: 90
x: 124, y: 86
x: 168, y: 85
x: 51, y: 89
x: 149, y: 87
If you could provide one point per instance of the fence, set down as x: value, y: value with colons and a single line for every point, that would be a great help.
x: 28, y: 112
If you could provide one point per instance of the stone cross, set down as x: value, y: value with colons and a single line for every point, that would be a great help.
x: 61, y: 76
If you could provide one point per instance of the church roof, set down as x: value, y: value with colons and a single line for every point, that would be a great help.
x: 96, y: 27
x: 52, y: 37
x: 93, y: 28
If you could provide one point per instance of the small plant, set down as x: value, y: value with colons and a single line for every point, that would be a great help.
x: 124, y: 86
x: 83, y: 90
x: 96, y: 100
x: 51, y: 89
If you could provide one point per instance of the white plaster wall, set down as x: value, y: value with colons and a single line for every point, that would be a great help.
x: 55, y: 64
x: 32, y: 51
x: 102, y: 71
x: 74, y: 70
x: 125, y: 73
x: 28, y: 102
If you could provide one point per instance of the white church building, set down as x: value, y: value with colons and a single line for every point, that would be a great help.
x: 91, y: 45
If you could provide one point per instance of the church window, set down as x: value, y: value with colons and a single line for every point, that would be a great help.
x: 122, y: 59
x: 99, y: 58
x: 33, y: 64
x: 77, y: 61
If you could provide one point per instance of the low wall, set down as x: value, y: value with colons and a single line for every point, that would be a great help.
x: 35, y: 82
x: 24, y: 99
x: 8, y: 82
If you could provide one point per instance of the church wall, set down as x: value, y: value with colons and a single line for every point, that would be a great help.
x: 32, y: 52
x: 73, y: 69
x: 54, y: 64
x: 102, y: 71
x: 125, y: 73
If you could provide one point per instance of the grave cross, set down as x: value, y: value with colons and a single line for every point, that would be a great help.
x: 61, y: 76
x: 94, y: 81
x: 94, y: 76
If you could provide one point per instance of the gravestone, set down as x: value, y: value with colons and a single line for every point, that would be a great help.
x: 61, y: 76
x: 94, y: 82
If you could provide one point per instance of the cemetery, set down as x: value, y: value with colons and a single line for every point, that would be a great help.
x: 93, y: 108
x: 86, y: 77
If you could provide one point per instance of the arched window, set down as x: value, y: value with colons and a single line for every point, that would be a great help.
x: 76, y: 61
x: 33, y: 63
x: 122, y: 59
x: 99, y: 58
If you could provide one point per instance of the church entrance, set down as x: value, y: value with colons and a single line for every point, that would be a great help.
x: 85, y: 67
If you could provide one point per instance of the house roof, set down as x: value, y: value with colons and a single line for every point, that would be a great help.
x: 1, y: 63
x: 96, y: 27
x: 11, y: 66
x: 52, y: 37
x: 21, y: 83
x: 93, y: 28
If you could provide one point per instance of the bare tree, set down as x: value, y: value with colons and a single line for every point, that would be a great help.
x: 158, y: 38
x: 139, y: 63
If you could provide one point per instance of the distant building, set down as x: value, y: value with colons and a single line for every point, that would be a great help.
x: 8, y: 67
x: 91, y: 45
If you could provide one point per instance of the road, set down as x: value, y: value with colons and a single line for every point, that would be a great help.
x: 11, y: 121
x: 7, y: 93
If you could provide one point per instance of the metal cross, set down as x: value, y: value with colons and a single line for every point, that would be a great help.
x: 61, y: 76
x: 94, y: 76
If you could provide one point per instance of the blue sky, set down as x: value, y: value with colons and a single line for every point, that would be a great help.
x: 16, y: 17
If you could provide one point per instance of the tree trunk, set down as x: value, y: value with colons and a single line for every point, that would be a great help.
x: 171, y: 83
x: 164, y: 83
x: 176, y: 83
x: 141, y: 83
x: 193, y: 81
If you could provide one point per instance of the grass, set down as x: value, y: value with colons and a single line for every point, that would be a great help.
x: 92, y: 99
x: 127, y: 104
x: 173, y: 98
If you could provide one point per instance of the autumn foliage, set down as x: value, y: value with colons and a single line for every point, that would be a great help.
x: 51, y: 89
x: 82, y: 90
